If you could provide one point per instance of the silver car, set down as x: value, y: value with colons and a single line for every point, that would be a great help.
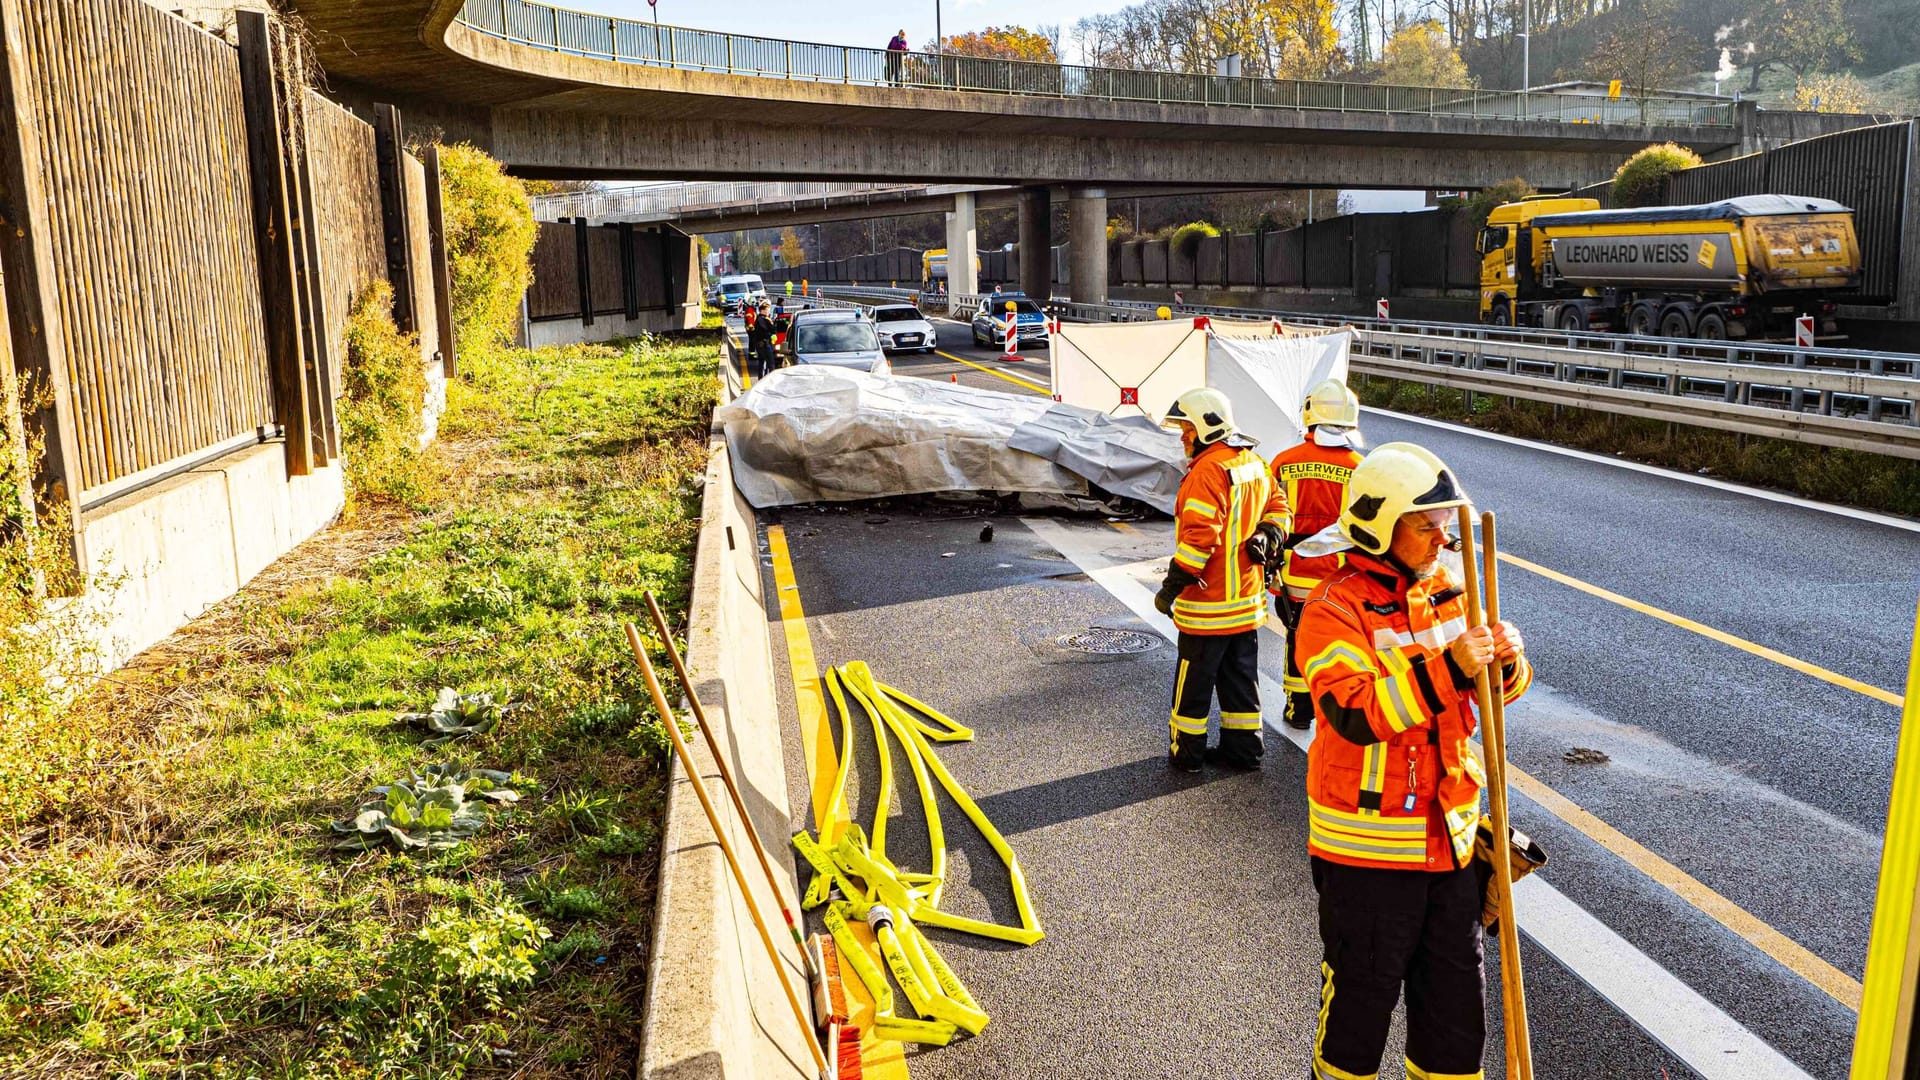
x: 902, y: 328
x: 838, y: 337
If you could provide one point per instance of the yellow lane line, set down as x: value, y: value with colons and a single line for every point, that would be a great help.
x: 816, y: 742
x: 879, y: 1059
x: 1720, y: 636
x: 1028, y: 383
x: 1837, y: 984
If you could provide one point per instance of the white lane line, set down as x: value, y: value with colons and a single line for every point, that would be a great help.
x: 1669, y: 474
x: 1693, y: 1029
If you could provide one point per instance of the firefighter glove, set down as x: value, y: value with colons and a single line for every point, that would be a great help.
x: 1265, y: 545
x: 1177, y: 579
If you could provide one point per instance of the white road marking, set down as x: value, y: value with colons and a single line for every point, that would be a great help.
x: 1697, y: 1031
x: 1670, y: 474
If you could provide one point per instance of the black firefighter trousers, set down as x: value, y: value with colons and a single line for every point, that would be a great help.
x: 1383, y: 928
x: 1227, y: 665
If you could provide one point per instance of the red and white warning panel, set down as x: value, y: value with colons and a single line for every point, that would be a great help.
x: 1803, y: 332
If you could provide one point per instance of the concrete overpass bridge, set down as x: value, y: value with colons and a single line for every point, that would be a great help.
x: 561, y: 93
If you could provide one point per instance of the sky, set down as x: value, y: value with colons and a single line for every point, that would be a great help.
x: 856, y: 22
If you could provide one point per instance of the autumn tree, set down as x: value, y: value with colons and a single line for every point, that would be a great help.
x: 791, y: 251
x: 1802, y: 36
x: 1002, y: 43
x: 1420, y: 55
x: 1835, y: 94
x: 1296, y: 39
x: 1645, y: 49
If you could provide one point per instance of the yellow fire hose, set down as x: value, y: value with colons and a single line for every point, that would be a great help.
x: 895, y: 903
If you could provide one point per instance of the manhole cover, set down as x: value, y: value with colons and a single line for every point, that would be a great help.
x: 1103, y: 642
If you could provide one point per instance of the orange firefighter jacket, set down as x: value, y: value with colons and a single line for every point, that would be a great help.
x: 1392, y: 780
x: 1314, y: 478
x: 1226, y: 494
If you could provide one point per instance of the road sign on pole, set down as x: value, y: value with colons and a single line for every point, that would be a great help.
x: 1803, y: 332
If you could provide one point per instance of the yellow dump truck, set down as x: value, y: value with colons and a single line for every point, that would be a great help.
x: 1742, y: 268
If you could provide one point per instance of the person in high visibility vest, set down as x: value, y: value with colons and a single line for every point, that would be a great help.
x: 1393, y: 783
x: 1314, y: 477
x: 789, y: 287
x: 1231, y: 519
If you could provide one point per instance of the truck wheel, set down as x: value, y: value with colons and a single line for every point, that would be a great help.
x: 1502, y: 316
x: 1712, y: 328
x: 1573, y: 320
x: 1641, y: 321
x: 1674, y: 324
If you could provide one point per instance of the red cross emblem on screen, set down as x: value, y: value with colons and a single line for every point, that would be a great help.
x: 1129, y: 395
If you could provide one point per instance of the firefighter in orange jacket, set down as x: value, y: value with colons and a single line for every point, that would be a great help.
x: 1231, y: 521
x: 1314, y: 477
x: 1393, y: 785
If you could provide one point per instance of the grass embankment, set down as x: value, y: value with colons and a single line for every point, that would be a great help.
x: 173, y: 903
x: 1847, y: 477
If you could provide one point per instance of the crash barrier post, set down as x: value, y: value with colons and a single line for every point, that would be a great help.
x: 1883, y: 1044
x: 1494, y: 739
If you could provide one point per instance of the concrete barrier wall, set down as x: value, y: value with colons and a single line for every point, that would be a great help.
x: 714, y: 1003
x: 178, y: 547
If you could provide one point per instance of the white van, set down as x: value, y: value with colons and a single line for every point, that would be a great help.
x: 731, y: 291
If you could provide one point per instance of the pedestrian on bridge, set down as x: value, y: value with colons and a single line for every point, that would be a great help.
x: 1231, y: 521
x: 897, y: 58
x: 1314, y: 477
x: 1393, y: 784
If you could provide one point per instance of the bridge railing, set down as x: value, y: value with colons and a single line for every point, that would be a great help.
x: 606, y: 37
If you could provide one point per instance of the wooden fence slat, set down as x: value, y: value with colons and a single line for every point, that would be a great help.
x: 584, y: 261
x: 442, y: 275
x: 391, y: 152
x: 35, y: 325
x: 280, y: 300
x: 320, y: 359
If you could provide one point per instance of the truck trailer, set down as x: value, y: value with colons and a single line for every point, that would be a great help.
x: 1741, y: 269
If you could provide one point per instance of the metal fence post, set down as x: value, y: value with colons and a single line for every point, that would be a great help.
x: 729, y: 54
x: 556, y: 27
x: 789, y: 59
x: 846, y: 64
x: 613, y: 39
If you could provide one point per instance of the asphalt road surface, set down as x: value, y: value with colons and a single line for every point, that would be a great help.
x: 1733, y: 659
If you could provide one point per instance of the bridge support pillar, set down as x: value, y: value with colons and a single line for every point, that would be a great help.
x: 1036, y: 243
x: 963, y: 247
x: 1087, y: 233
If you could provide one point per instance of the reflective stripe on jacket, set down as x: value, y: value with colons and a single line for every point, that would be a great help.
x: 1392, y: 780
x: 1314, y: 478
x: 1226, y: 494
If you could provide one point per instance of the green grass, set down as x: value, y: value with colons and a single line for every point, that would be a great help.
x: 1847, y: 477
x: 179, y: 910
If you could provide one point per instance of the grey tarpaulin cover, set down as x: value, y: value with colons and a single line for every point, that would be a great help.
x: 1126, y: 455
x: 815, y: 433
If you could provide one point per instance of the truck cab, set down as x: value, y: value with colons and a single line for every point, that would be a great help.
x: 1506, y: 275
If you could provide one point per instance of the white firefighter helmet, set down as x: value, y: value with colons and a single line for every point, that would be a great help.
x: 1204, y: 409
x: 1333, y: 404
x: 1397, y: 478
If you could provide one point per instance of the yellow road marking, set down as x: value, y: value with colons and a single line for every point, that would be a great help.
x: 1837, y: 984
x: 816, y: 742
x: 880, y: 1059
x: 1720, y: 636
x: 1028, y: 383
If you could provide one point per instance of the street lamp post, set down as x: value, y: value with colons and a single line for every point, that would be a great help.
x: 1526, y: 49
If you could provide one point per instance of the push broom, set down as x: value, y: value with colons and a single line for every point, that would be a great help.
x: 671, y: 723
x: 1493, y: 736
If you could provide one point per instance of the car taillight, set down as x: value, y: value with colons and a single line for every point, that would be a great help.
x: 1736, y: 311
x: 1829, y: 307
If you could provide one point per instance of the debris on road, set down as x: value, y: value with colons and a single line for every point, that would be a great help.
x: 986, y: 534
x: 1581, y: 755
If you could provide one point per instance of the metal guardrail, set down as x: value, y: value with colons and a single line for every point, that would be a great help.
x: 690, y: 195
x: 1851, y: 407
x: 604, y: 37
